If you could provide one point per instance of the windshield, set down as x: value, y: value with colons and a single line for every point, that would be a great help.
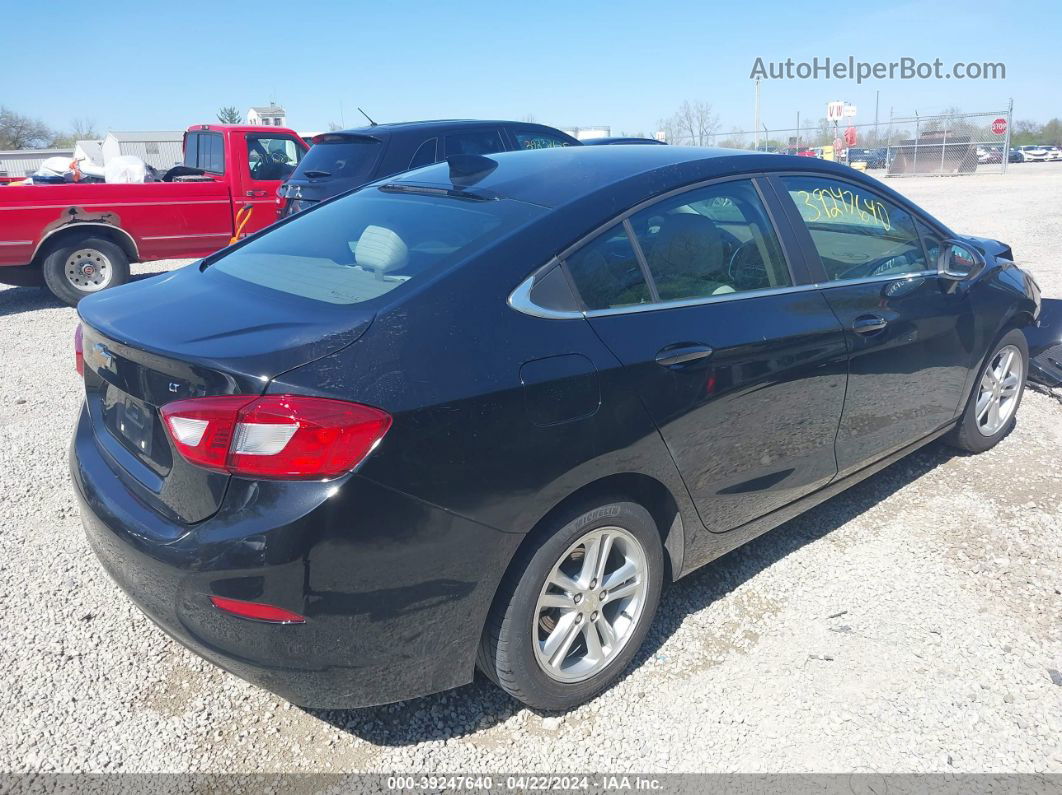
x: 366, y: 244
x: 346, y: 159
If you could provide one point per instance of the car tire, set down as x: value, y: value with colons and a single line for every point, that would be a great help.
x: 515, y: 648
x: 84, y: 267
x: 999, y: 387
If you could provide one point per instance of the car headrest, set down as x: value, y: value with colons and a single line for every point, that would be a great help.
x: 688, y: 243
x: 380, y: 249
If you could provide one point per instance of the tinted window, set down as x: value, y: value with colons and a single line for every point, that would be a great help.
x: 534, y: 139
x: 205, y: 150
x: 857, y: 233
x: 425, y: 154
x: 272, y: 156
x: 711, y: 241
x: 347, y: 158
x: 474, y: 142
x: 367, y: 244
x: 606, y: 272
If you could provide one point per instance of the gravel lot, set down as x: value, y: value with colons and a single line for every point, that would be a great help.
x: 911, y: 624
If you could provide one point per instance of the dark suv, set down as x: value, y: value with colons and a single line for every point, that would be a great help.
x: 339, y: 161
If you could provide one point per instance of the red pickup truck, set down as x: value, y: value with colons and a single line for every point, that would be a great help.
x: 79, y: 238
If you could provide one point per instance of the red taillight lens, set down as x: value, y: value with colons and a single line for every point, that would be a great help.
x: 256, y: 611
x: 79, y: 350
x: 277, y: 436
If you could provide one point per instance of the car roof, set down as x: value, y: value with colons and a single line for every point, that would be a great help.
x: 386, y: 128
x: 561, y: 175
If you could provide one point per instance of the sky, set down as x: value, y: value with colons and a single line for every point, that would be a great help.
x: 142, y: 66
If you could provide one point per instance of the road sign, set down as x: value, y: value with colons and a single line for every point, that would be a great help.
x: 849, y: 110
x: 999, y: 126
x: 834, y: 111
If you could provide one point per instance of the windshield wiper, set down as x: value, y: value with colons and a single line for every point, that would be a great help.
x: 313, y: 172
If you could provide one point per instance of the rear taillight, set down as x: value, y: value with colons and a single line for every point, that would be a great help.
x: 79, y: 350
x: 276, y: 436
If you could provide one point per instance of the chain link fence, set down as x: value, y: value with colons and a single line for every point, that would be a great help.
x: 952, y: 144
x: 956, y: 144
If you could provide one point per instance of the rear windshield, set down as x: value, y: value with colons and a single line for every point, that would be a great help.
x: 366, y: 244
x: 348, y: 159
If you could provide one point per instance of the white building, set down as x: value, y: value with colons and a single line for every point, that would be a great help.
x: 23, y: 162
x: 268, y: 115
x: 159, y: 148
x: 587, y: 133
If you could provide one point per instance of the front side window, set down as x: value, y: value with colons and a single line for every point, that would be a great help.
x: 272, y: 156
x: 857, y: 234
x: 711, y: 241
x: 534, y: 139
x: 474, y: 142
x: 607, y: 273
x: 364, y: 245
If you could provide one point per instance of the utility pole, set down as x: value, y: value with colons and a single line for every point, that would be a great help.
x: 798, y: 129
x: 756, y: 124
x: 877, y: 95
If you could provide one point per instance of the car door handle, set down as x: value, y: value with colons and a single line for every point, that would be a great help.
x: 256, y: 193
x: 682, y: 354
x: 868, y: 324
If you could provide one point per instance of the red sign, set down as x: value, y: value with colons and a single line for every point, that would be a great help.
x: 999, y: 126
x: 850, y: 136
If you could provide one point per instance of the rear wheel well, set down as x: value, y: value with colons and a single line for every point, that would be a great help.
x: 71, y: 234
x: 646, y: 491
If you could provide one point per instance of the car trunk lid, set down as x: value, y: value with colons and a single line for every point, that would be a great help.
x: 178, y: 337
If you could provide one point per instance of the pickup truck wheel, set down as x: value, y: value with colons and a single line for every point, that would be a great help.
x: 84, y: 267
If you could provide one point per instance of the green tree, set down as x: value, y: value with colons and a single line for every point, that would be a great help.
x: 229, y: 115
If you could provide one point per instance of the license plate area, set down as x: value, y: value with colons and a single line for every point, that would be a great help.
x: 131, y: 421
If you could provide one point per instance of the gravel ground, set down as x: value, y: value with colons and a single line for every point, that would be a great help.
x: 911, y: 624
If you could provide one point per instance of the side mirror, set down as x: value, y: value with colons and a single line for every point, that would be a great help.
x: 959, y: 261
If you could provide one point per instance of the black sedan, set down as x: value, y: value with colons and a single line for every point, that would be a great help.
x: 479, y: 415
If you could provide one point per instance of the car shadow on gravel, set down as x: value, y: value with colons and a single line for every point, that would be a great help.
x: 16, y: 300
x: 481, y: 705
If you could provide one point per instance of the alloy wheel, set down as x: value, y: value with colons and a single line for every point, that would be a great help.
x: 997, y: 398
x: 590, y: 604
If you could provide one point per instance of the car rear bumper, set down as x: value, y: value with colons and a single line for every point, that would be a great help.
x: 394, y: 591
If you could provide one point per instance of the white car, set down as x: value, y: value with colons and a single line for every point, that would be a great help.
x: 1034, y: 153
x: 1054, y: 152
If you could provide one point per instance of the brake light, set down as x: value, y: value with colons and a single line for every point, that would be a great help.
x: 79, y: 350
x: 257, y: 611
x: 276, y: 436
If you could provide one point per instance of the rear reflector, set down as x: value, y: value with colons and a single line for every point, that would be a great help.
x: 79, y: 350
x: 277, y: 436
x: 257, y: 611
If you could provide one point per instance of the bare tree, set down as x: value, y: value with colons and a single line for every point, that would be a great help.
x: 229, y: 115
x: 333, y: 126
x: 22, y: 132
x: 693, y: 124
x: 83, y: 129
x: 528, y: 117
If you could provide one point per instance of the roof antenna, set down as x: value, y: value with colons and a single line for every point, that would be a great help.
x: 366, y: 115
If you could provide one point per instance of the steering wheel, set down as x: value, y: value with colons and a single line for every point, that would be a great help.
x: 744, y: 271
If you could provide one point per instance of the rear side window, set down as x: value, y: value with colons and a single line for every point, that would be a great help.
x: 206, y: 151
x: 371, y: 242
x: 425, y: 154
x: 535, y: 139
x: 711, y: 241
x: 607, y: 273
x: 474, y: 142
x: 344, y: 157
